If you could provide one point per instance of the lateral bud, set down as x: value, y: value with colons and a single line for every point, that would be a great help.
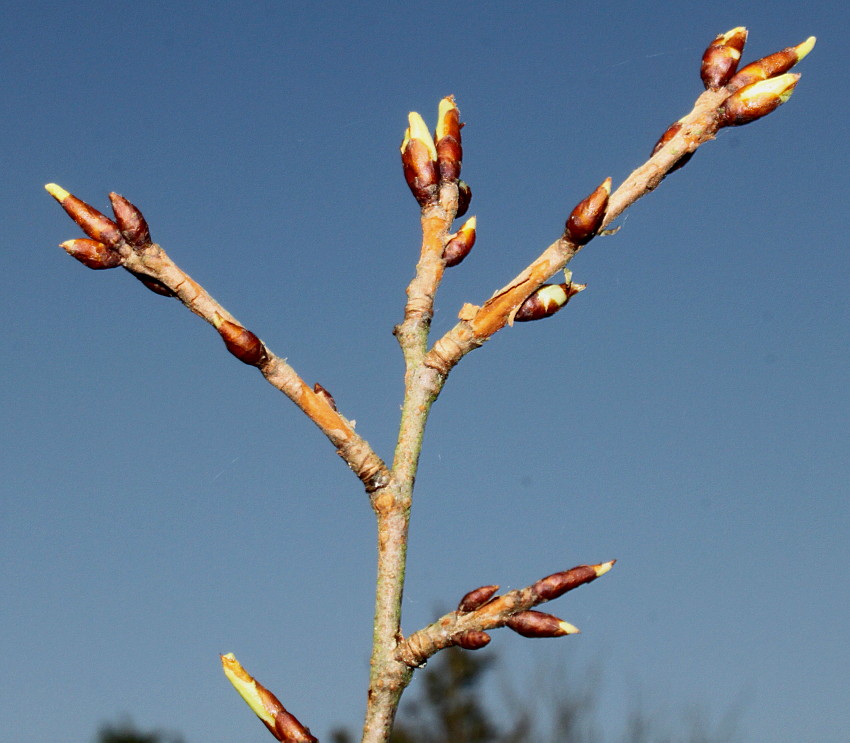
x: 586, y: 219
x: 756, y: 100
x: 325, y: 395
x: 721, y: 58
x: 130, y: 221
x: 538, y: 624
x: 419, y: 159
x: 557, y: 584
x: 669, y: 133
x: 464, y: 196
x: 448, y: 140
x: 242, y: 343
x: 96, y: 225
x: 155, y: 285
x: 281, y: 724
x: 476, y: 599
x: 546, y: 301
x: 472, y: 639
x: 771, y: 65
x: 92, y: 253
x: 459, y: 246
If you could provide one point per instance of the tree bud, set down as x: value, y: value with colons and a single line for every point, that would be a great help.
x: 96, y: 225
x: 476, y: 599
x: 538, y: 624
x: 448, y: 140
x: 459, y: 246
x: 721, y: 58
x: 757, y: 99
x: 92, y: 253
x: 586, y: 219
x: 464, y: 196
x: 472, y: 639
x: 325, y: 395
x: 264, y: 704
x: 132, y: 224
x: 771, y: 65
x: 546, y: 301
x: 557, y: 584
x: 669, y: 133
x: 419, y: 159
x: 242, y: 343
x: 155, y: 285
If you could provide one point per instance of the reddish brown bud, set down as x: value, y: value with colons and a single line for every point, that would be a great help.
x: 757, y: 100
x: 671, y: 132
x: 459, y: 246
x: 546, y: 301
x: 419, y: 159
x: 476, y: 599
x: 242, y: 343
x: 586, y: 219
x: 448, y: 140
x: 130, y: 220
x: 538, y: 624
x: 155, y: 285
x: 472, y: 639
x: 464, y: 196
x: 92, y: 253
x: 325, y: 395
x: 721, y: 58
x: 771, y: 65
x: 96, y: 225
x: 557, y: 584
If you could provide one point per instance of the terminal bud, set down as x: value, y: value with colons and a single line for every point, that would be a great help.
x: 557, y: 584
x: 96, y: 225
x: 448, y: 140
x: 721, y: 58
x: 419, y: 159
x: 771, y: 65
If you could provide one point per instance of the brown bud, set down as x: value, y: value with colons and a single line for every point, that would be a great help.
x: 721, y: 58
x: 155, y: 285
x: 757, y: 100
x: 557, y: 584
x: 130, y: 220
x: 476, y: 599
x: 448, y: 140
x: 464, y: 196
x: 472, y: 639
x: 586, y: 219
x: 538, y: 624
x: 92, y: 253
x: 671, y: 132
x: 242, y: 343
x: 96, y: 225
x: 459, y: 246
x: 546, y: 301
x: 419, y: 160
x: 325, y: 395
x: 771, y: 65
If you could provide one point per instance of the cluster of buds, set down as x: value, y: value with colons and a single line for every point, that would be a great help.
x: 241, y: 342
x: 547, y: 300
x: 281, y: 724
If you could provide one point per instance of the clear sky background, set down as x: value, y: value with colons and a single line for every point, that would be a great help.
x: 687, y: 414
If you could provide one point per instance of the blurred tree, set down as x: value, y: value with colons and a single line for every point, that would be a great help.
x: 126, y: 732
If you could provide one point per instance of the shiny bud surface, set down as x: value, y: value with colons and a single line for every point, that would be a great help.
x: 546, y: 301
x: 96, y: 225
x: 538, y: 624
x: 92, y: 253
x: 722, y: 57
x: 242, y: 343
x: 586, y: 219
x: 472, y: 639
x: 476, y: 598
x: 419, y: 160
x: 130, y: 221
x: 459, y: 246
x: 557, y: 584
x: 758, y: 99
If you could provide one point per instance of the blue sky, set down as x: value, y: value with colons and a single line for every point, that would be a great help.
x: 688, y: 414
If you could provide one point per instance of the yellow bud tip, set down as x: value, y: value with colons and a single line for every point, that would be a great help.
x: 218, y: 321
x: 804, y: 48
x: 446, y: 104
x: 246, y: 686
x: 57, y: 192
x: 568, y: 629
x: 419, y: 130
x: 732, y: 32
x: 470, y: 225
x: 603, y: 568
x: 552, y: 294
x: 781, y: 86
x: 606, y: 184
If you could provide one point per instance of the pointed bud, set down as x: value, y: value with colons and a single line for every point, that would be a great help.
x: 771, y: 65
x: 538, y: 624
x: 264, y: 704
x: 671, y: 132
x: 557, y: 584
x: 476, y: 599
x: 757, y: 99
x: 419, y: 159
x: 586, y: 218
x: 242, y: 343
x: 130, y: 220
x: 472, y: 639
x: 721, y: 58
x: 464, y: 196
x: 449, y: 149
x: 459, y: 246
x: 96, y: 225
x: 546, y: 301
x: 92, y: 253
x: 325, y: 395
